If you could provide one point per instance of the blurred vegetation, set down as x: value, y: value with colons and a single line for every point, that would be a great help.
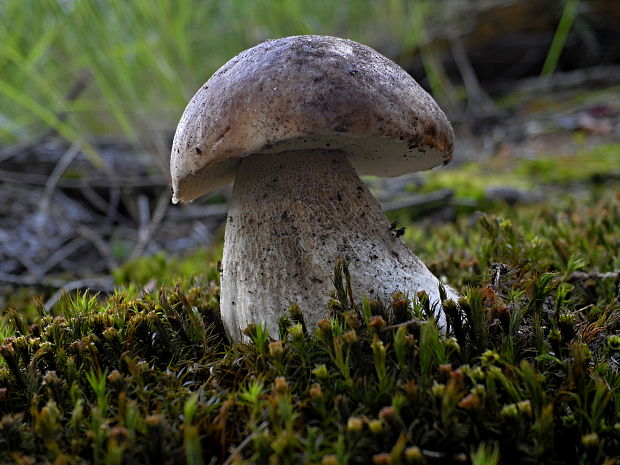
x: 561, y: 34
x: 528, y: 372
x: 125, y: 70
x: 94, y: 71
x: 536, y: 177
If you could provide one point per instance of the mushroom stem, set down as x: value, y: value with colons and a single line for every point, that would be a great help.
x: 292, y: 215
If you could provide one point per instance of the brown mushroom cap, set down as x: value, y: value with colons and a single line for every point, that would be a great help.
x: 307, y: 92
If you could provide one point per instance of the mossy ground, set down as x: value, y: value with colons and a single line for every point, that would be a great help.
x: 529, y: 371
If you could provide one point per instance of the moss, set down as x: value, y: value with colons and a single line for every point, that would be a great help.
x: 588, y: 167
x: 584, y: 166
x: 163, y: 268
x: 529, y: 364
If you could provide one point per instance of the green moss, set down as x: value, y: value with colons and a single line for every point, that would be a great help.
x: 470, y: 181
x: 586, y: 165
x: 529, y: 364
x: 161, y: 268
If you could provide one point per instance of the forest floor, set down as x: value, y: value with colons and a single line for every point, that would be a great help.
x: 112, y: 349
x: 66, y: 225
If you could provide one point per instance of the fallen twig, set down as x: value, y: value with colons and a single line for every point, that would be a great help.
x: 148, y: 228
x: 582, y: 276
x: 45, y: 203
x: 437, y: 199
x: 100, y: 244
x: 33, y: 268
x: 61, y: 253
x: 95, y: 181
x: 30, y: 280
x: 583, y: 77
x: 199, y: 212
x: 479, y: 104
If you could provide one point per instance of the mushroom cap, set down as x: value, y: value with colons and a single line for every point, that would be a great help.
x: 307, y: 92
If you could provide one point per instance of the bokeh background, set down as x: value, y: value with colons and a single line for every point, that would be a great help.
x: 91, y: 91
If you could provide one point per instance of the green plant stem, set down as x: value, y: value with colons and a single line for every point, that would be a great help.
x: 559, y: 39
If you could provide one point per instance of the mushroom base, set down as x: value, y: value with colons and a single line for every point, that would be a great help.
x: 292, y: 215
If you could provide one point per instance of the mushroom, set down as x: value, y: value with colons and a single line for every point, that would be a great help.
x: 293, y: 121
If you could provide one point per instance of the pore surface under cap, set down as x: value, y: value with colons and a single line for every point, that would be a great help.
x: 306, y: 92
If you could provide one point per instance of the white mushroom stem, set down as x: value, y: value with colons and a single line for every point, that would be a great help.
x: 292, y: 215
